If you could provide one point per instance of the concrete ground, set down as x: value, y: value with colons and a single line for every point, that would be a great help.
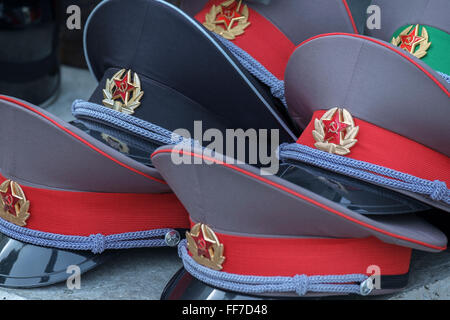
x: 143, y: 273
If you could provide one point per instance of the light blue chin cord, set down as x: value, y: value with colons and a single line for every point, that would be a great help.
x: 146, y: 130
x: 436, y: 190
x: 445, y: 76
x: 97, y: 243
x: 299, y: 284
x: 255, y: 68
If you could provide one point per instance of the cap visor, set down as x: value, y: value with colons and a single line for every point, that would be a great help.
x: 356, y: 195
x: 137, y: 148
x: 24, y: 265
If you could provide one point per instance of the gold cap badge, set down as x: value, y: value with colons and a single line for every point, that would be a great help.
x: 204, y: 246
x: 409, y: 38
x: 13, y: 204
x: 121, y: 93
x: 335, y: 132
x: 229, y: 19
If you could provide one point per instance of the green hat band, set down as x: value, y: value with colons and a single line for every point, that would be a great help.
x: 429, y: 44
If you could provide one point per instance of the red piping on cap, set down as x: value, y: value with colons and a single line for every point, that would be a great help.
x: 85, y: 213
x: 349, y: 12
x: 388, y: 46
x: 301, y: 196
x: 79, y: 138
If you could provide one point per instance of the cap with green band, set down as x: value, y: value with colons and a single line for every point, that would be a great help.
x: 429, y: 44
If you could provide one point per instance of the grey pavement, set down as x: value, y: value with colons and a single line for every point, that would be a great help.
x: 75, y: 84
x: 131, y: 274
x: 143, y: 273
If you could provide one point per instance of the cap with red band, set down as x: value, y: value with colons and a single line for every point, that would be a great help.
x: 263, y: 36
x: 328, y: 231
x: 381, y: 126
x: 341, y: 197
x: 85, y: 192
x: 106, y: 213
x: 74, y: 196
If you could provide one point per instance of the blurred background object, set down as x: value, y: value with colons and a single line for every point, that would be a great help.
x: 71, y: 49
x: 28, y: 50
x: 34, y: 41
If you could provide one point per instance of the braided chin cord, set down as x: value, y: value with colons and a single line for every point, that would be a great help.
x: 144, y: 129
x: 445, y: 76
x: 97, y: 243
x: 255, y: 68
x: 436, y: 190
x: 300, y: 284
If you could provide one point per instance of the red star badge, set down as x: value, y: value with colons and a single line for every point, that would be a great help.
x: 335, y: 132
x: 9, y: 201
x: 13, y: 204
x: 411, y: 40
x: 123, y: 87
x: 334, y: 128
x: 230, y: 14
x: 203, y: 245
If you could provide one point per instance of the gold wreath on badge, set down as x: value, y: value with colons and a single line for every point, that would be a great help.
x: 335, y: 132
x: 409, y: 39
x: 205, y: 247
x: 229, y: 19
x: 121, y: 93
x: 13, y: 204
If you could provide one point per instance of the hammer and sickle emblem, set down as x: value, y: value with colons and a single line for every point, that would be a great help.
x: 333, y: 128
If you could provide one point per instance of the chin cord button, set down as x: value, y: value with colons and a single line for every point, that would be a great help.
x: 172, y: 238
x: 366, y: 286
